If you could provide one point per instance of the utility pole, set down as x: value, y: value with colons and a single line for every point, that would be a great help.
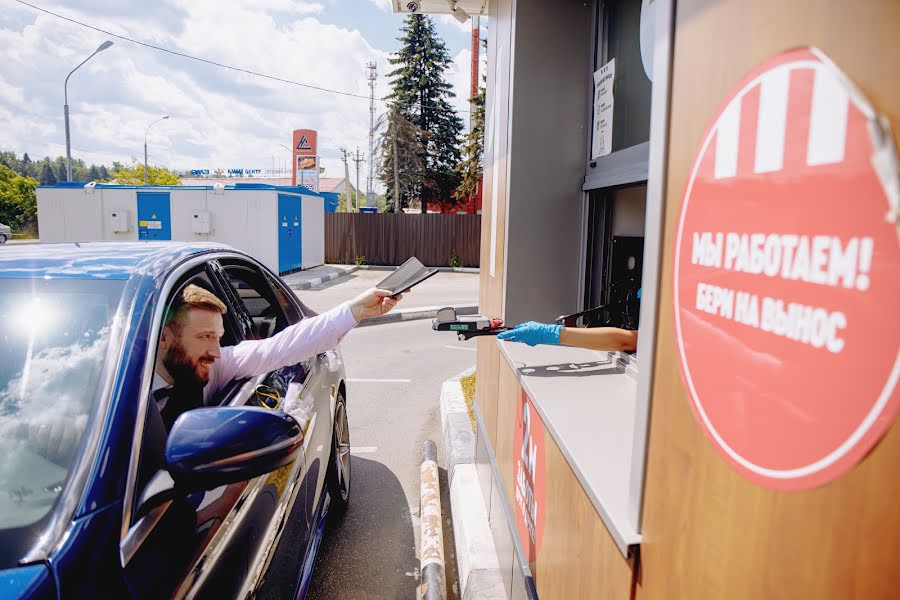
x: 396, y: 176
x: 370, y: 183
x: 347, y: 179
x: 357, y: 159
x: 476, y: 47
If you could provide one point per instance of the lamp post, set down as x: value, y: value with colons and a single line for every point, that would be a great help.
x: 292, y: 156
x: 145, y: 144
x: 101, y: 48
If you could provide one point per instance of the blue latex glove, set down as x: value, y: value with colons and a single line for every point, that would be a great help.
x: 533, y: 333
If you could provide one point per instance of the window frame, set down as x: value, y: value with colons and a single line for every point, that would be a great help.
x: 133, y: 532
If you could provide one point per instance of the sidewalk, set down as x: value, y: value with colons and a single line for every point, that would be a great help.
x: 476, y: 556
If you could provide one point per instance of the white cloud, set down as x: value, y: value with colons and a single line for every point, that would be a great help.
x: 218, y: 118
x: 385, y: 5
x: 465, y: 26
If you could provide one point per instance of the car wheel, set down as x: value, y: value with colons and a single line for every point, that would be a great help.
x: 337, y: 478
x: 2, y: 238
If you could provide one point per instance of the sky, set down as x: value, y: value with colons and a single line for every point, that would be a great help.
x: 218, y: 118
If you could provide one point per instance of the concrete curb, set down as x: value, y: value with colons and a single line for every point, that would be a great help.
x: 305, y: 285
x: 441, y: 269
x: 476, y: 556
x: 422, y: 312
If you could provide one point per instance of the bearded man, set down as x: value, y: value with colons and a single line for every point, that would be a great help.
x: 191, y: 366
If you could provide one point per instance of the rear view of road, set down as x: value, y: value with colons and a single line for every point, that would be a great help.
x: 395, y: 372
x: 443, y: 289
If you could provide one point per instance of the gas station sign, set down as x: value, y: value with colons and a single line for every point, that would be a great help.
x: 787, y: 274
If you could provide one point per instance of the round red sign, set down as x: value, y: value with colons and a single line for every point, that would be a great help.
x: 787, y: 274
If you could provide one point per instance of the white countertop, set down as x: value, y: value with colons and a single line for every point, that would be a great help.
x: 587, y: 400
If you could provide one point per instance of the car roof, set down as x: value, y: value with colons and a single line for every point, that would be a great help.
x: 97, y: 260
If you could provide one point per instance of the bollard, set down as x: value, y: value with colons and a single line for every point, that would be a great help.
x: 434, y: 583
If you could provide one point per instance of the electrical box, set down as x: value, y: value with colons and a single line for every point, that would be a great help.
x: 118, y: 221
x: 200, y: 221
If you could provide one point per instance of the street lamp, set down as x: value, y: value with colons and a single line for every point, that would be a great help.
x: 292, y: 155
x: 101, y: 48
x: 145, y: 144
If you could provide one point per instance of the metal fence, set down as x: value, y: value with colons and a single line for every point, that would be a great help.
x: 390, y: 239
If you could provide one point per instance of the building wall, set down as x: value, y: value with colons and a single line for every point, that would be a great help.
x: 548, y: 134
x: 313, y: 223
x: 118, y: 200
x: 244, y: 219
x: 708, y: 532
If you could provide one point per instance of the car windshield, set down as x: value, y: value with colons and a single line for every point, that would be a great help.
x: 55, y: 334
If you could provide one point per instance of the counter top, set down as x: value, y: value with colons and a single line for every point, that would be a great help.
x: 587, y: 401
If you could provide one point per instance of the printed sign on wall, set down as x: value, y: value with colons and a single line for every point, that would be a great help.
x: 787, y: 274
x: 604, y: 79
x: 530, y: 475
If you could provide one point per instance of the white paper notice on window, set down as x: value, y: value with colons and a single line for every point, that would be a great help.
x: 603, y: 109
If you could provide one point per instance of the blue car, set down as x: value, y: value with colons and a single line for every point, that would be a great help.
x: 97, y: 498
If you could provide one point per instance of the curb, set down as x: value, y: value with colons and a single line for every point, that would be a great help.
x: 440, y: 269
x: 423, y: 312
x: 305, y: 285
x: 476, y: 556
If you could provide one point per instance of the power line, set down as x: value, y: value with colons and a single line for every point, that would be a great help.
x: 202, y: 60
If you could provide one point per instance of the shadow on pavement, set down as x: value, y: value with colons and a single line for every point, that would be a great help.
x: 370, y: 552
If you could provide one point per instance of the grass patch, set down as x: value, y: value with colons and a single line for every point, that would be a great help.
x: 468, y: 388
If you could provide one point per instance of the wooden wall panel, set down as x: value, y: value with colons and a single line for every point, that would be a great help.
x: 708, y: 532
x: 508, y: 402
x: 577, y: 557
x: 487, y: 369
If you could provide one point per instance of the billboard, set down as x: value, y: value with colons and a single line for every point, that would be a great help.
x: 306, y: 160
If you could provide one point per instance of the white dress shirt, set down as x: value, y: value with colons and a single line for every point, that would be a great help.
x: 290, y: 346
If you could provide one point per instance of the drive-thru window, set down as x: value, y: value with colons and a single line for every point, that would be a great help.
x: 734, y: 161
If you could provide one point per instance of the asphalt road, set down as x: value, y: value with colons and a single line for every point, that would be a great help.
x: 442, y: 289
x: 373, y: 551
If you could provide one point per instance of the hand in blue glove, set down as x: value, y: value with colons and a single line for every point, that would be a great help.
x: 533, y: 333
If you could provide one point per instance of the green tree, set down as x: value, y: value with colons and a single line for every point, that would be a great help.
x: 48, y: 177
x: 133, y: 174
x: 471, y: 168
x: 421, y: 94
x: 18, y: 200
x: 408, y: 169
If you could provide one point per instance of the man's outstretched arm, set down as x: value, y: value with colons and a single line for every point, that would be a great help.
x: 298, y: 342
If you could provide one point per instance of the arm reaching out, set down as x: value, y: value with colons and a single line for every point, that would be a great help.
x: 595, y: 338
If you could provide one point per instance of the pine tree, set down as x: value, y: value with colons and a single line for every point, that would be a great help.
x: 421, y: 94
x: 48, y: 177
x: 403, y: 135
x: 471, y: 169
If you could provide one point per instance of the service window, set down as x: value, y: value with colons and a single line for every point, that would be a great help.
x: 616, y: 183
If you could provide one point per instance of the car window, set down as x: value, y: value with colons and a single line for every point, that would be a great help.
x: 55, y: 334
x: 266, y: 308
x: 152, y: 457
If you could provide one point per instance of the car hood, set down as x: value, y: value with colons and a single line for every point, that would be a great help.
x: 32, y: 581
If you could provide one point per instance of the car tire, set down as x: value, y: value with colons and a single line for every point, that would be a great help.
x: 2, y: 238
x: 337, y: 478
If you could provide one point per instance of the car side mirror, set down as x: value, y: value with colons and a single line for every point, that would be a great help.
x: 210, y: 447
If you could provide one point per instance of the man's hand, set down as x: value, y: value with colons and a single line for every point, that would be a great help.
x: 372, y: 303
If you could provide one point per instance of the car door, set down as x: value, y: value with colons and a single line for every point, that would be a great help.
x: 205, y: 544
x: 300, y: 388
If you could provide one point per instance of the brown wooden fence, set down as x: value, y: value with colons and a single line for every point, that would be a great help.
x: 390, y: 239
